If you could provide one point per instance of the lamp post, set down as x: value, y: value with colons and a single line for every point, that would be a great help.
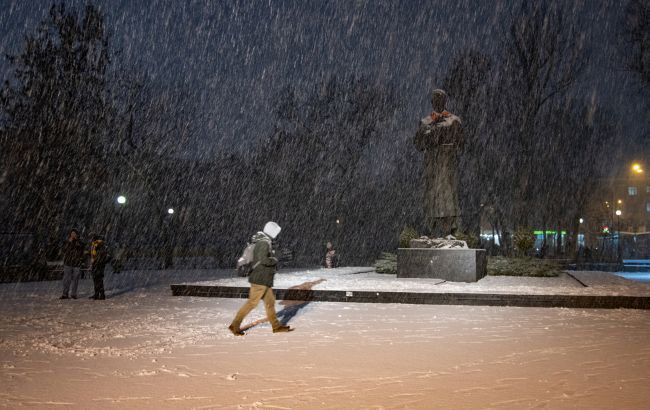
x: 338, y: 233
x: 168, y: 239
x: 121, y: 201
x: 618, y: 230
x: 117, y: 261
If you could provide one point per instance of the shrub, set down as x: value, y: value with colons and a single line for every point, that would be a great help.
x: 472, y: 241
x: 524, y: 240
x: 387, y: 263
x: 405, y: 237
x: 502, y: 266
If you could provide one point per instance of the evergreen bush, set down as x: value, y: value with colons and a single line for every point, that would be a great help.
x: 405, y: 237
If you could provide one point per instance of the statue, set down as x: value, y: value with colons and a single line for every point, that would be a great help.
x: 440, y: 136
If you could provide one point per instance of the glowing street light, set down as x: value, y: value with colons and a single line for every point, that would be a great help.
x: 637, y: 168
x: 170, y: 211
x: 121, y: 199
x: 582, y: 220
x: 620, y: 201
x: 618, y: 230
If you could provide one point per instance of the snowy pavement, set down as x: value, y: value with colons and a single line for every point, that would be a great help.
x: 143, y: 348
x: 643, y: 277
x: 365, y: 279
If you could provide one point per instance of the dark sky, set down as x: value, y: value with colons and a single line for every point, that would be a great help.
x: 234, y: 56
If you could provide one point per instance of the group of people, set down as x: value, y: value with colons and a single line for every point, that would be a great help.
x: 75, y: 254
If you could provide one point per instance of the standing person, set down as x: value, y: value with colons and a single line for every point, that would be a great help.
x: 98, y: 260
x: 330, y: 254
x: 73, y: 256
x: 261, y: 280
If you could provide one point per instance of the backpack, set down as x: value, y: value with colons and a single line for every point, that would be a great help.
x: 245, y: 263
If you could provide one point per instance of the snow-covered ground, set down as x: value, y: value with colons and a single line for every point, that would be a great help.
x: 143, y: 348
x: 643, y: 277
x: 365, y: 279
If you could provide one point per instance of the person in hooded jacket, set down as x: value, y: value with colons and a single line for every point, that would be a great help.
x: 98, y: 259
x: 261, y: 281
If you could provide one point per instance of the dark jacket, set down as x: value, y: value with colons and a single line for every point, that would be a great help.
x: 266, y: 263
x: 99, y: 256
x: 73, y: 253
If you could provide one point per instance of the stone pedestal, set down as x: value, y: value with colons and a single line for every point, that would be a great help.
x: 454, y: 265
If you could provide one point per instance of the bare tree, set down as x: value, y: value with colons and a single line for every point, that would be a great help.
x: 309, y: 169
x: 637, y: 37
x: 544, y: 57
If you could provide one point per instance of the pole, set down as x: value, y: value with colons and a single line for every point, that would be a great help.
x: 618, y: 229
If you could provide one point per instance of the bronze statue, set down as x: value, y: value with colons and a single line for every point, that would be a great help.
x: 440, y: 136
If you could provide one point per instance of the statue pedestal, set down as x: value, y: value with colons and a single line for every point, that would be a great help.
x: 454, y: 265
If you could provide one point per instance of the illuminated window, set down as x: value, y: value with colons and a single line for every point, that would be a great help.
x: 631, y: 191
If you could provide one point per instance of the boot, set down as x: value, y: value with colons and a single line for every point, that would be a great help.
x: 235, y: 330
x: 282, y: 329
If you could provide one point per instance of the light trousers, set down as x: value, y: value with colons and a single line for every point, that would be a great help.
x: 255, y: 294
x: 71, y: 276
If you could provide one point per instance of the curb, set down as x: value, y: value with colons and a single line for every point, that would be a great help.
x: 420, y: 298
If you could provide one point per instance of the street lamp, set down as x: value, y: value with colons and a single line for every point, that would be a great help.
x: 117, y: 235
x: 170, y: 211
x: 582, y: 220
x: 618, y: 229
x: 637, y: 168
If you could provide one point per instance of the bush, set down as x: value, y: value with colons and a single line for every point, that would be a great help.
x: 405, y: 237
x: 387, y: 263
x: 524, y: 240
x: 472, y: 241
x: 502, y: 266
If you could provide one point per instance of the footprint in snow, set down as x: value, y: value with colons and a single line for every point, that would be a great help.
x: 232, y: 376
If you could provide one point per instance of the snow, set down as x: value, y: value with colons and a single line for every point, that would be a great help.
x: 143, y: 348
x: 365, y: 279
x: 636, y: 276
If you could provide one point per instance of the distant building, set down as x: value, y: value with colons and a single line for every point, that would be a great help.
x: 617, y: 220
x: 627, y: 198
x: 615, y: 223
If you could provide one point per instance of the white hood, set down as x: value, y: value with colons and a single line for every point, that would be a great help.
x: 272, y: 229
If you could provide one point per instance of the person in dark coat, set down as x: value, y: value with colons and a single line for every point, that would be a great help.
x: 98, y: 260
x: 73, y: 256
x: 261, y: 280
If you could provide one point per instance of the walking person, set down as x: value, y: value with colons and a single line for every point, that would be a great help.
x: 73, y: 256
x: 261, y: 281
x: 98, y: 260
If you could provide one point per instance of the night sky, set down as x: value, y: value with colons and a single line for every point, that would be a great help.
x: 233, y: 57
